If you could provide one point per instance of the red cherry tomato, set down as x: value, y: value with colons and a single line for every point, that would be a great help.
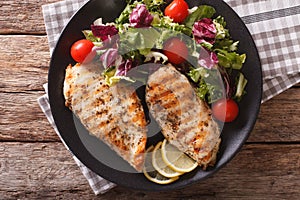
x: 225, y: 110
x: 81, y: 51
x: 176, y: 50
x: 177, y: 10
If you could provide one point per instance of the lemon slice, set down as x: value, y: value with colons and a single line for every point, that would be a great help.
x: 160, y: 165
x: 150, y: 172
x: 175, y: 159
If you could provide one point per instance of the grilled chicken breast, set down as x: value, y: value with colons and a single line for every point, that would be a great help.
x: 113, y: 114
x: 185, y: 119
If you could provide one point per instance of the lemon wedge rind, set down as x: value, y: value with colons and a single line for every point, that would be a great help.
x: 175, y: 159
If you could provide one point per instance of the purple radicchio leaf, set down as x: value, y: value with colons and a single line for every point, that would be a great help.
x: 104, y: 31
x: 204, y: 30
x: 140, y: 17
x: 125, y: 67
x: 110, y: 58
x: 207, y: 59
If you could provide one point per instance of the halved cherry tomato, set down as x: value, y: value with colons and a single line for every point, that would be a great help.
x: 81, y: 51
x: 176, y: 50
x: 177, y: 10
x: 225, y: 110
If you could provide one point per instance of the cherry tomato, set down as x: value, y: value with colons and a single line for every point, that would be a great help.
x: 176, y: 50
x: 225, y: 110
x: 177, y: 10
x: 81, y: 51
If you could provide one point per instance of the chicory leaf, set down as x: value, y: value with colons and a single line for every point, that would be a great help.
x: 226, y: 44
x: 230, y: 59
x: 104, y: 31
x: 204, y: 30
x: 166, y: 22
x: 110, y: 58
x: 196, y: 74
x: 124, y: 16
x: 124, y: 67
x: 108, y: 74
x: 220, y: 25
x: 140, y: 17
x: 210, y: 86
x: 207, y: 59
x: 111, y: 77
x: 241, y: 84
x: 88, y: 34
x: 154, y: 5
x: 201, y: 12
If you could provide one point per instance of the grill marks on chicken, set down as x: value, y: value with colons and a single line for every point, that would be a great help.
x: 113, y: 114
x: 185, y: 119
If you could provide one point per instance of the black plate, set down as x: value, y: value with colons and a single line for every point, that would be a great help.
x: 90, y: 150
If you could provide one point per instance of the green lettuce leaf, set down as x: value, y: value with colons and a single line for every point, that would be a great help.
x: 226, y: 44
x: 154, y: 5
x: 220, y: 25
x: 124, y: 16
x: 209, y: 83
x: 230, y: 59
x: 111, y: 79
x: 166, y: 22
x: 142, y: 39
x: 88, y: 34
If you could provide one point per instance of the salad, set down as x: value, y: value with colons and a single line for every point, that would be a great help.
x: 195, y: 40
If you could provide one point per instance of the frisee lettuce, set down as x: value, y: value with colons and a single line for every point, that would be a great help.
x: 209, y: 83
x: 111, y: 78
x: 231, y: 60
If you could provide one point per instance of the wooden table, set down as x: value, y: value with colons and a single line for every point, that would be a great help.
x: 35, y: 164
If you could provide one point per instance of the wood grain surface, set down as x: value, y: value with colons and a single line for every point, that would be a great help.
x: 34, y: 164
x: 38, y: 170
x: 22, y: 16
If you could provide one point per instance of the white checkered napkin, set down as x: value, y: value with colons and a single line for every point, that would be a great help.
x: 56, y: 16
x: 275, y: 28
x: 98, y: 184
x: 274, y: 86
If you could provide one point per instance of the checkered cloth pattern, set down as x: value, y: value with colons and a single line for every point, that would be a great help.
x: 275, y: 28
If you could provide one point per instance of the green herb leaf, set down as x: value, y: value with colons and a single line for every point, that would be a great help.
x: 88, y: 34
